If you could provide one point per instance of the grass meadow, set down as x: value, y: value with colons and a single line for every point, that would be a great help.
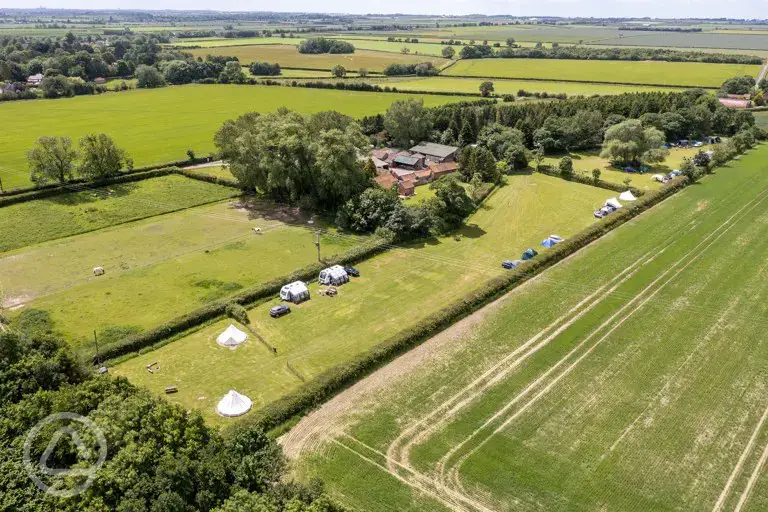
x: 396, y: 289
x: 630, y: 377
x: 683, y: 74
x: 159, y: 125
x: 77, y: 212
x: 161, y: 267
x: 584, y: 162
x: 288, y: 56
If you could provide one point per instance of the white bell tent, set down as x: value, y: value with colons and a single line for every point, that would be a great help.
x: 231, y: 337
x: 234, y: 404
x: 627, y: 196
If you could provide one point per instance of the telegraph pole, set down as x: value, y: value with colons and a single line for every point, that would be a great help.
x: 96, y: 341
x: 317, y: 244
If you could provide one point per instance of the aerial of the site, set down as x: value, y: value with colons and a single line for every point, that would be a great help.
x: 449, y: 256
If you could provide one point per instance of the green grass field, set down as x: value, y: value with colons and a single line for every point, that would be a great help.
x: 631, y: 377
x: 761, y: 119
x: 688, y: 74
x: 161, y: 267
x: 159, y: 125
x: 69, y: 214
x: 288, y: 56
x: 584, y: 162
x: 463, y: 85
x: 395, y: 290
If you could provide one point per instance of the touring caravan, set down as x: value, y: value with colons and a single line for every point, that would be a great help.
x: 333, y: 276
x: 295, y: 292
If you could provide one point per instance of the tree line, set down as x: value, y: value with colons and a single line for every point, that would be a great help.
x: 160, y: 457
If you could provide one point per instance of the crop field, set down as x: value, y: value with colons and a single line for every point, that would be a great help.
x: 631, y: 377
x: 464, y: 85
x: 77, y: 212
x: 158, y: 125
x: 683, y: 74
x: 161, y: 267
x: 583, y: 163
x: 288, y: 56
x: 611, y: 36
x: 396, y: 289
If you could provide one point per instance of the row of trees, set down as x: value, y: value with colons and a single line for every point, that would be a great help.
x: 54, y: 159
x: 614, y: 53
x: 160, y: 457
x: 421, y: 69
x: 325, y: 45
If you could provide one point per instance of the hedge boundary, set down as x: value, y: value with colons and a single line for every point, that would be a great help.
x: 74, y: 187
x: 83, y: 181
x: 596, y: 82
x: 216, y: 309
x: 584, y: 180
x: 324, y: 386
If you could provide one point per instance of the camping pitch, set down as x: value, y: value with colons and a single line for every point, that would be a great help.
x: 335, y: 275
x: 295, y: 292
x: 627, y: 196
x: 231, y: 337
x: 234, y: 404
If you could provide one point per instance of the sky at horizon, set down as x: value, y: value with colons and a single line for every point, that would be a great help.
x: 566, y: 8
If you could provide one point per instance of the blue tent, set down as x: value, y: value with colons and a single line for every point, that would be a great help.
x: 528, y: 254
x: 548, y: 243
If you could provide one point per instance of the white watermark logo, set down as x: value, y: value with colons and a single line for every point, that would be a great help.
x: 89, y: 462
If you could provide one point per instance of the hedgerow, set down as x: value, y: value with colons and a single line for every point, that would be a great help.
x: 319, y: 389
x: 586, y: 180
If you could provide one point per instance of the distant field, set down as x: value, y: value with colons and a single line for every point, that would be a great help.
x: 395, y: 291
x: 161, y: 267
x: 449, y: 84
x: 585, y: 34
x: 72, y: 213
x: 630, y: 377
x: 159, y: 125
x: 289, y: 56
x: 761, y: 119
x: 689, y: 74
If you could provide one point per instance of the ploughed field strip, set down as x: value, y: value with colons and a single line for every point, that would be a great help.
x: 394, y: 292
x: 633, y: 376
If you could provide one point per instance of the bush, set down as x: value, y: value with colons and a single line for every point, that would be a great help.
x: 265, y: 69
x: 325, y: 45
x: 237, y: 312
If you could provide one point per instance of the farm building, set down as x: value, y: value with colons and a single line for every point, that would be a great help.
x: 436, y: 152
x: 35, y: 79
x: 234, y: 404
x: 231, y: 337
x: 100, y: 80
x: 335, y: 275
x: 735, y: 102
x: 442, y: 169
x: 411, y: 163
x: 295, y: 292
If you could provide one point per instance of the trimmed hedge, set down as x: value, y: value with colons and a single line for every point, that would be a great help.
x: 585, y: 180
x: 218, y: 308
x: 318, y: 390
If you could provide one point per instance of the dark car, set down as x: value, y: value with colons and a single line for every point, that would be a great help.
x: 352, y: 271
x: 278, y: 311
x: 508, y: 264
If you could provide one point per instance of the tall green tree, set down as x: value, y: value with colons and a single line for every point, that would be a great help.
x: 407, y: 122
x: 148, y: 77
x: 630, y: 143
x: 52, y: 159
x: 486, y: 88
x: 232, y: 73
x: 101, y: 158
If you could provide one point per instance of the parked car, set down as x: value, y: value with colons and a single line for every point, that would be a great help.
x: 352, y: 271
x: 278, y: 311
x: 598, y: 214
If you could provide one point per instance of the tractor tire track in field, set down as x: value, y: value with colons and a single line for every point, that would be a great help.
x: 740, y: 463
x: 449, y: 470
x: 752, y: 480
x: 418, y: 432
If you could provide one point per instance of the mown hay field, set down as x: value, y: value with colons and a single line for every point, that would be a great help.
x: 160, y: 125
x: 682, y: 74
x: 72, y: 213
x: 394, y: 292
x: 472, y: 85
x: 288, y: 56
x: 631, y: 377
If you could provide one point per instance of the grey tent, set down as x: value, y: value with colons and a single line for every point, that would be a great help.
x: 528, y: 254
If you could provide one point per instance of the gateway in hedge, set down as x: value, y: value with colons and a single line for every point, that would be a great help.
x: 335, y: 275
x: 295, y: 292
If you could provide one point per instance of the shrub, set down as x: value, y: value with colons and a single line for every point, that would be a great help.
x: 237, y: 312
